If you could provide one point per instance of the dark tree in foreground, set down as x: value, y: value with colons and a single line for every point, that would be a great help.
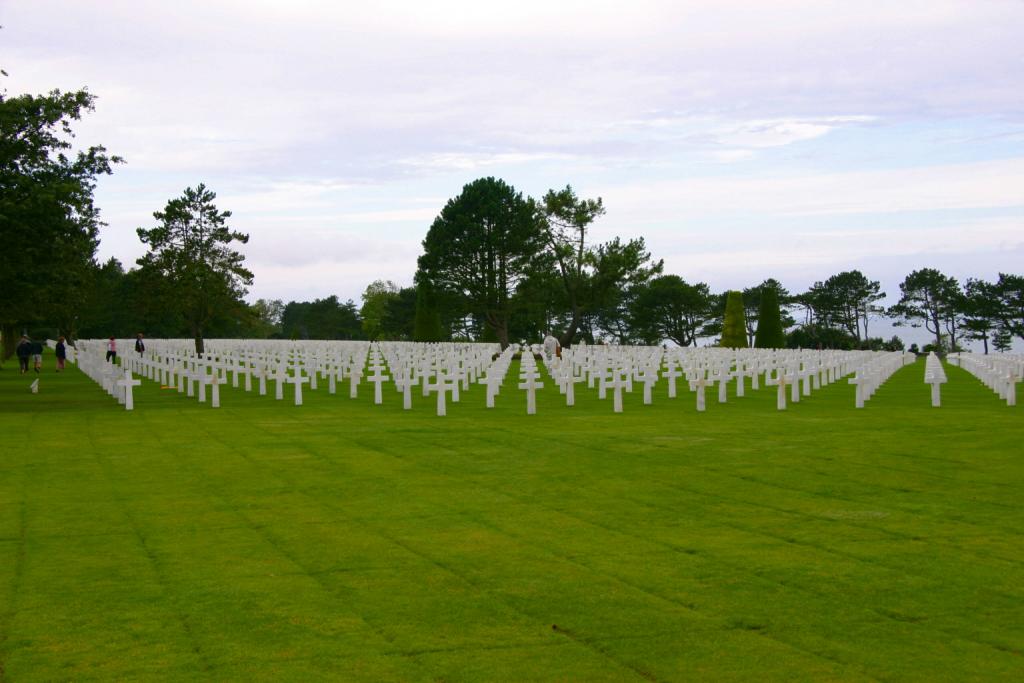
x: 480, y: 247
x: 202, y: 276
x: 770, y: 334
x: 47, y: 218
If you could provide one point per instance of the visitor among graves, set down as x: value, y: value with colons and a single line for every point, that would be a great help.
x: 140, y: 347
x: 61, y: 352
x: 111, y: 350
x: 23, y: 350
x: 37, y: 356
x: 550, y: 346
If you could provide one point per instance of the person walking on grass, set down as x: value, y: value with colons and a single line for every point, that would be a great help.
x: 112, y: 350
x: 24, y: 350
x: 61, y: 352
x: 550, y: 346
x: 139, y: 346
x: 37, y: 356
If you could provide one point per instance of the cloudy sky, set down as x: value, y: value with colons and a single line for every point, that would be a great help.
x: 743, y: 140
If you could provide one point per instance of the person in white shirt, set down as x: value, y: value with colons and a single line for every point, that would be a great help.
x: 550, y: 346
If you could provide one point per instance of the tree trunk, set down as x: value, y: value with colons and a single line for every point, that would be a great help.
x: 198, y: 334
x: 567, y: 338
x: 499, y: 324
x: 7, y: 337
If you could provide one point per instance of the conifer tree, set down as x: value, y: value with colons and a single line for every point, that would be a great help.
x: 734, y: 328
x: 770, y: 334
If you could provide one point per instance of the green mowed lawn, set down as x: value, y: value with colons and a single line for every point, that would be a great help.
x: 342, y: 540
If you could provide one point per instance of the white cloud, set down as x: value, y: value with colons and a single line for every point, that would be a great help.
x: 729, y: 156
x: 471, y: 162
x: 780, y: 132
x: 986, y: 184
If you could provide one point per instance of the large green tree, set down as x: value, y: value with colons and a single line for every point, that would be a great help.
x: 565, y: 221
x: 620, y: 271
x: 932, y: 299
x: 483, y: 243
x: 846, y: 300
x: 981, y: 308
x: 48, y: 221
x: 1009, y: 291
x: 376, y: 298
x: 668, y: 307
x: 203, y: 277
x: 594, y: 279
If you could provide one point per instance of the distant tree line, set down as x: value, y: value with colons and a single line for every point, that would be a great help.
x: 496, y: 266
x: 501, y: 266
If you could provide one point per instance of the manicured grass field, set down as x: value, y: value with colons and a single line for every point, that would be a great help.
x: 342, y: 540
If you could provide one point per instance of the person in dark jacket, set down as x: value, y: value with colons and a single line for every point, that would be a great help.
x: 61, y: 352
x: 139, y: 346
x: 37, y: 355
x: 24, y: 350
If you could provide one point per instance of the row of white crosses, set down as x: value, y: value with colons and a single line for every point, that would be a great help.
x: 447, y: 369
x: 793, y: 373
x: 494, y: 374
x: 442, y: 369
x: 90, y: 357
x: 167, y: 360
x: 529, y: 376
x: 999, y: 372
x: 935, y: 375
x: 870, y: 375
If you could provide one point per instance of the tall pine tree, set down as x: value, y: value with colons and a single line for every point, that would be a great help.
x: 734, y: 327
x: 770, y: 334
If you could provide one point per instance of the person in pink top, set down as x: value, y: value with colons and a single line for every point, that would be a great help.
x: 111, y: 350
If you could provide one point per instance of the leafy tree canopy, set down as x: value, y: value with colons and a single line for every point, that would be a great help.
x: 483, y: 243
x: 47, y: 216
x: 931, y: 299
x: 668, y: 307
x: 202, y: 276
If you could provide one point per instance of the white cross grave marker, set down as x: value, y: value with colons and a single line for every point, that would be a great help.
x: 126, y: 385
